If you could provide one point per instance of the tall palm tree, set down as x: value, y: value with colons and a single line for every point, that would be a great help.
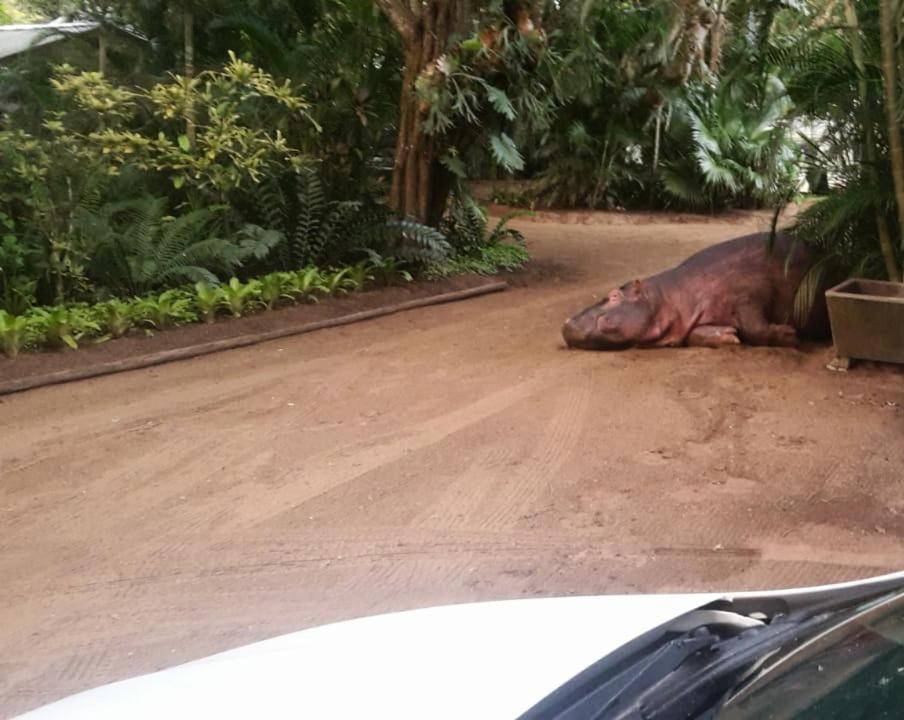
x: 889, y: 21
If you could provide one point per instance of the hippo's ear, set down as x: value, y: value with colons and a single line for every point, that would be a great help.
x: 615, y: 297
x: 636, y: 289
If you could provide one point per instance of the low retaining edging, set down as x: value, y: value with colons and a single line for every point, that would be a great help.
x: 142, y: 361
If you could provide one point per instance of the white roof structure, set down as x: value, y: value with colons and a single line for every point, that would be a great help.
x: 15, y: 39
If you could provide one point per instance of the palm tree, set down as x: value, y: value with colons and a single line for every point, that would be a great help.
x: 836, y: 78
x: 731, y: 144
x: 889, y: 20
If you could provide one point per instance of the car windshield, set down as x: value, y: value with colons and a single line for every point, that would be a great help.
x: 850, y: 671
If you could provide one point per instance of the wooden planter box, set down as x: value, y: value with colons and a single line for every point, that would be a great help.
x: 867, y: 319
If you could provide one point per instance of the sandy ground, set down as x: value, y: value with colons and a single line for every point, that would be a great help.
x: 455, y: 453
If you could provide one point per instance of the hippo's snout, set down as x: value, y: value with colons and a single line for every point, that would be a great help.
x: 574, y: 334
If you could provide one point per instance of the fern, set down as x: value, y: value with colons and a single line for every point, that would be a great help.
x: 502, y: 232
x: 505, y: 152
x: 307, y: 239
x: 139, y: 249
x: 414, y: 242
x: 320, y: 231
x: 488, y: 260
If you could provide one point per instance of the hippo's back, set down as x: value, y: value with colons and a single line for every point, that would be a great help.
x: 759, y: 268
x: 757, y: 251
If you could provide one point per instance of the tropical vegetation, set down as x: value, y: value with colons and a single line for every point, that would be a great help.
x: 216, y: 151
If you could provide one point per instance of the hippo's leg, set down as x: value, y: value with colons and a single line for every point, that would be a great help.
x: 713, y: 336
x: 754, y: 329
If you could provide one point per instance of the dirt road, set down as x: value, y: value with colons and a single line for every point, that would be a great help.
x: 456, y: 453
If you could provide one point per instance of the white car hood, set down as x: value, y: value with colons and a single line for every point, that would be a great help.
x: 483, y: 660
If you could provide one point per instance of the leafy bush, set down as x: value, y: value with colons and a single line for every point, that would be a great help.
x: 274, y: 287
x: 388, y: 270
x: 61, y: 325
x: 62, y: 184
x: 172, y: 307
x: 360, y: 274
x: 466, y: 225
x: 606, y: 73
x: 13, y: 333
x: 208, y: 298
x: 43, y: 181
x: 17, y: 286
x: 477, y: 248
x: 305, y: 284
x: 337, y: 281
x: 229, y: 148
x: 238, y: 297
x: 116, y: 317
x: 488, y: 260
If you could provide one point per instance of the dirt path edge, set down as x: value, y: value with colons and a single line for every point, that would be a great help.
x: 184, y: 353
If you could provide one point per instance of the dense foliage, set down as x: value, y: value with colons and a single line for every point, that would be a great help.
x: 204, y: 143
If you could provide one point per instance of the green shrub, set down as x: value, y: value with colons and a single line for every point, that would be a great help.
x: 275, y: 287
x: 338, y: 281
x: 232, y: 109
x: 360, y: 274
x: 116, y: 317
x: 172, y: 307
x: 388, y: 270
x: 305, y: 284
x: 13, y: 333
x: 17, y: 287
x: 488, y: 260
x: 62, y: 325
x: 239, y: 297
x: 208, y: 298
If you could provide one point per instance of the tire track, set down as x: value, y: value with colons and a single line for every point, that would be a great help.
x: 529, y: 489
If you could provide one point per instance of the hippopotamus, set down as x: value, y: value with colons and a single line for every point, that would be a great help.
x: 741, y: 290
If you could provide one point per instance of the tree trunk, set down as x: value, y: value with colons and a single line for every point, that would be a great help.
x: 693, y: 21
x: 102, y: 50
x: 889, y: 72
x: 188, y: 27
x: 869, y: 144
x: 716, y: 37
x: 420, y: 185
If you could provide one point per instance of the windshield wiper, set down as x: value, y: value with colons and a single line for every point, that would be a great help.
x: 702, y: 681
x: 669, y: 675
x: 688, y: 666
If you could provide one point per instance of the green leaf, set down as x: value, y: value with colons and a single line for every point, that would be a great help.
x: 184, y: 143
x: 455, y: 165
x: 505, y: 152
x: 471, y: 45
x: 500, y: 102
x: 178, y: 181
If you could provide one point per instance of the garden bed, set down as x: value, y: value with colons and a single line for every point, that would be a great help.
x: 33, y: 365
